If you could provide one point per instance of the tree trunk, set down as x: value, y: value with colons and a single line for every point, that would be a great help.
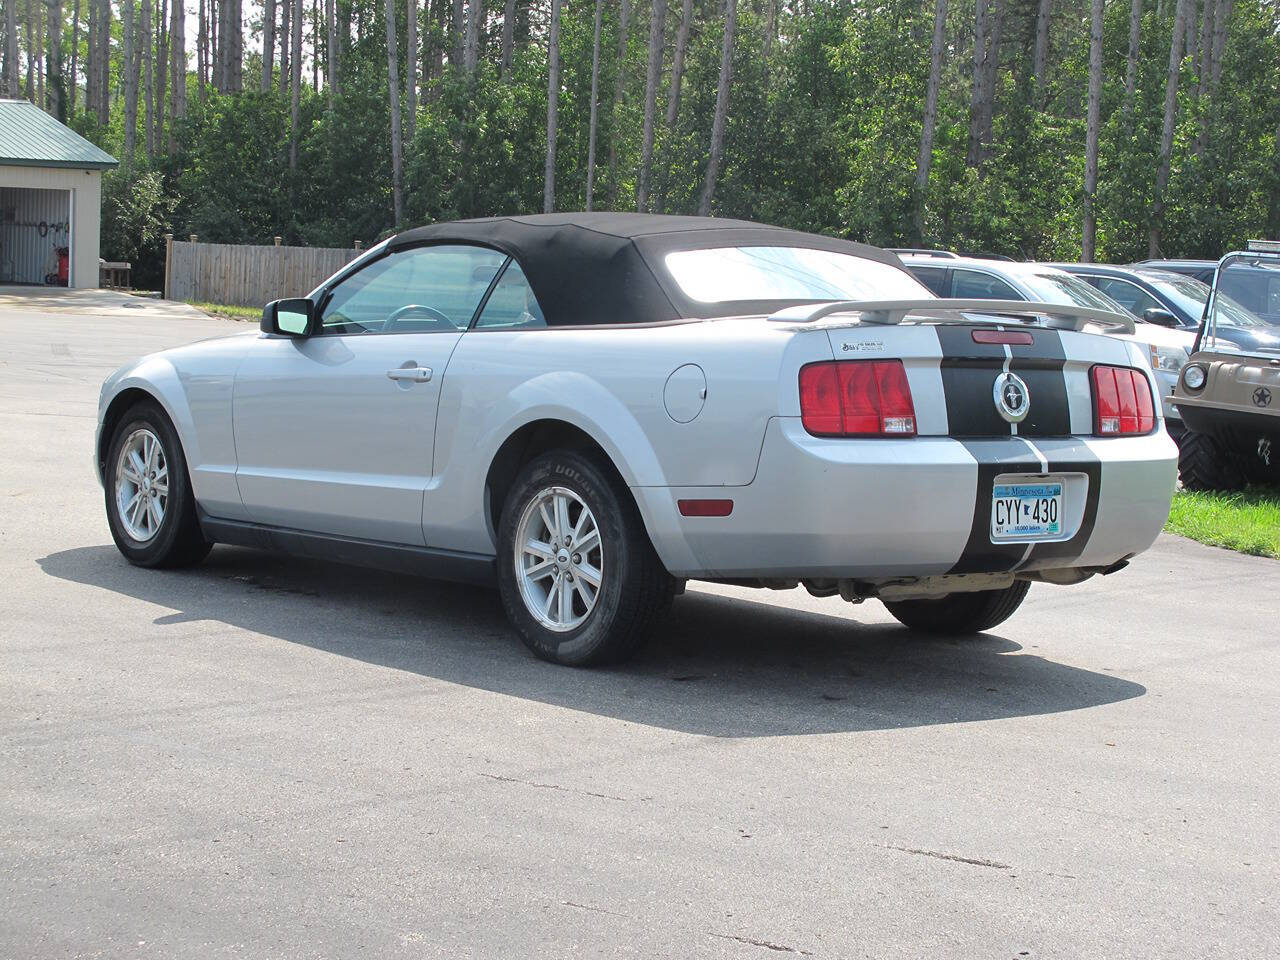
x: 268, y: 43
x: 147, y: 52
x: 657, y: 36
x: 234, y: 42
x: 177, y: 66
x: 458, y: 29
x: 397, y: 147
x: 315, y: 46
x: 217, y: 17
x: 202, y: 50
x: 295, y: 80
x: 508, y: 37
x: 673, y: 99
x: 12, y: 78
x: 996, y: 24
x: 1166, y: 133
x: 475, y: 15
x: 333, y: 51
x: 75, y: 53
x: 925, y: 157
x: 553, y: 105
x: 35, y: 52
x: 129, y: 67
x: 56, y: 81
x: 624, y: 16
x: 1221, y: 26
x: 90, y: 59
x: 722, y: 109
x: 286, y: 39
x: 770, y: 28
x: 104, y: 62
x: 1094, y: 112
x: 1040, y: 66
x: 595, y: 97
x: 411, y: 70
x: 162, y: 64
x: 1202, y: 56
x: 979, y: 84
x: 1131, y: 65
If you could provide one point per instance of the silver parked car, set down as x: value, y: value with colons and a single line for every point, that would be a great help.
x: 589, y: 409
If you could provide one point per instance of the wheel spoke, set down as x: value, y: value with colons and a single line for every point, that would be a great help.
x: 566, y: 603
x: 562, y: 515
x: 540, y: 570
x: 154, y: 511
x: 139, y: 467
x: 136, y: 513
x: 539, y: 549
x: 552, y: 530
x: 551, y: 598
x: 588, y: 573
x: 160, y: 488
x: 586, y: 593
x: 162, y: 473
x: 587, y: 543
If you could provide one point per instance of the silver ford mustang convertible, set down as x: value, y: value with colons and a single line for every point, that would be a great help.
x: 589, y: 409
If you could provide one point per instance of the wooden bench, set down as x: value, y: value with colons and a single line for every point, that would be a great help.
x: 111, y: 272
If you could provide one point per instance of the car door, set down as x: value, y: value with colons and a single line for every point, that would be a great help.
x: 334, y: 432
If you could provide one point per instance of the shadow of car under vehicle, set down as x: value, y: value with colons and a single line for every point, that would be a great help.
x: 720, y: 666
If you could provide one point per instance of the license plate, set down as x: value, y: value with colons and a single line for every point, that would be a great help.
x: 1026, y: 511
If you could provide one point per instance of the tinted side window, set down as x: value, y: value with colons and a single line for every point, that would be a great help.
x: 512, y: 304
x: 1129, y: 295
x: 981, y: 286
x: 934, y: 278
x: 423, y: 290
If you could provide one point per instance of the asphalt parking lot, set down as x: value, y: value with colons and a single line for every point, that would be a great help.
x: 272, y: 758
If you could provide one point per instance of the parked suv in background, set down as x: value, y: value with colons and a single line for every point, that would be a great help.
x: 1176, y: 298
x: 969, y: 277
x: 1250, y: 284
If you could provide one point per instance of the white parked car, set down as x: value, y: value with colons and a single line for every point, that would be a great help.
x: 589, y: 409
x: 1039, y: 282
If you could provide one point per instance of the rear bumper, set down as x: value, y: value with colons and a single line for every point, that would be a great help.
x: 875, y: 509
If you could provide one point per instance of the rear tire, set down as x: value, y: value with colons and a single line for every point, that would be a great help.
x: 960, y: 613
x: 1203, y: 464
x: 145, y: 478
x: 596, y: 625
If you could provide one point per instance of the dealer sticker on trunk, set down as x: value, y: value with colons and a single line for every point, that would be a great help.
x: 1026, y: 511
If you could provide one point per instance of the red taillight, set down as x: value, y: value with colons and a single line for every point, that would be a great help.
x: 1122, y: 402
x: 705, y: 508
x: 857, y: 398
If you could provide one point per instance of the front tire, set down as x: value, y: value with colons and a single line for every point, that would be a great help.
x: 579, y: 579
x: 150, y: 506
x: 1203, y: 464
x: 960, y: 613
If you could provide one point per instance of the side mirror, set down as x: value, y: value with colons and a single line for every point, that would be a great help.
x: 290, y: 318
x: 1160, y: 316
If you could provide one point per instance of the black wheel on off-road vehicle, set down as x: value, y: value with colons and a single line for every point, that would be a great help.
x: 1203, y: 464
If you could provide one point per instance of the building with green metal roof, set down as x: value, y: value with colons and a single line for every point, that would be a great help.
x: 50, y: 199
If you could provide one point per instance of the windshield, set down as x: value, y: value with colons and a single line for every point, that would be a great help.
x: 1070, y: 291
x: 787, y: 273
x: 1256, y: 281
x: 1191, y: 295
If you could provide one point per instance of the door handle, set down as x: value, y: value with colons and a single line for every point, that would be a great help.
x: 415, y: 374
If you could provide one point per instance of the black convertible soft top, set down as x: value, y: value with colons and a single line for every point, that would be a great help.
x: 605, y: 268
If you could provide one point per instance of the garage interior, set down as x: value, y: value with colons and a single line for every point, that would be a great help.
x: 35, y: 236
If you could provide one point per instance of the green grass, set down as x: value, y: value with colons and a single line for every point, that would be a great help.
x: 1248, y: 522
x: 227, y: 310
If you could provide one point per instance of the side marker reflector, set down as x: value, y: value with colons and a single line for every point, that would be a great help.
x: 705, y: 508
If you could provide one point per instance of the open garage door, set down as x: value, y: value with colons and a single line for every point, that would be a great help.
x: 35, y: 236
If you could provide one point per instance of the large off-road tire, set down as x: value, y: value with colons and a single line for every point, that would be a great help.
x: 150, y: 506
x: 1203, y: 464
x: 591, y: 588
x: 961, y: 613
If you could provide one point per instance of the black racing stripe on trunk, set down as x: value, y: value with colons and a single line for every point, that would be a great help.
x: 997, y: 456
x: 969, y: 372
x: 1049, y: 414
x: 1070, y: 456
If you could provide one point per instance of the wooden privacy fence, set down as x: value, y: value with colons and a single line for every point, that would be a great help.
x: 245, y: 275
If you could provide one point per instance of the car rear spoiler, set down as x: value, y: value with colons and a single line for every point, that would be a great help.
x: 1018, y: 311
